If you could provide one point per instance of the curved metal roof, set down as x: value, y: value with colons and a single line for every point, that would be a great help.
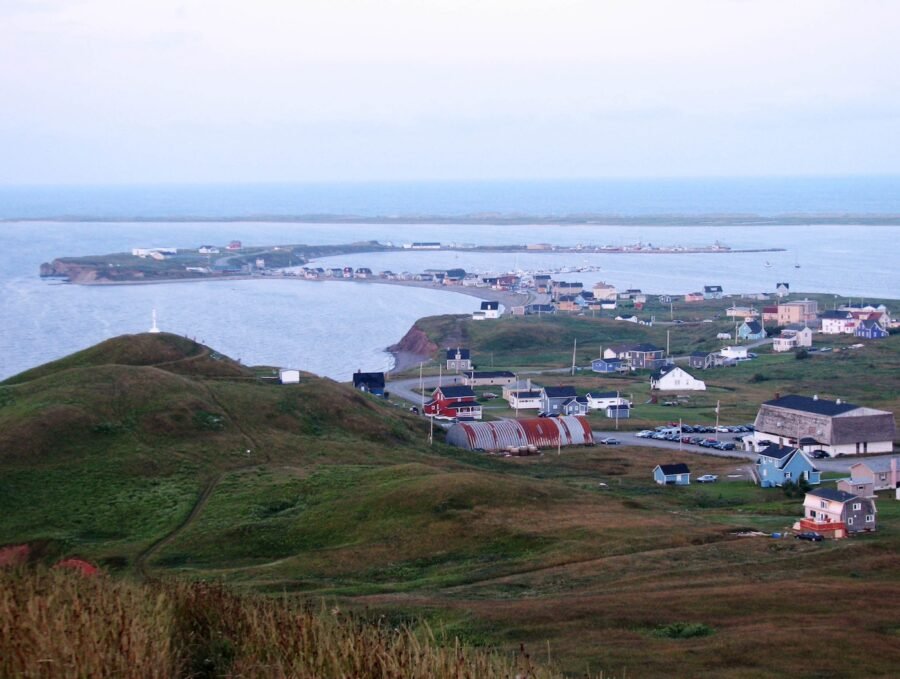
x: 543, y: 432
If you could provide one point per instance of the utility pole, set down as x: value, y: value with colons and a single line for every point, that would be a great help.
x: 517, y: 394
x: 617, y: 409
x: 668, y: 353
x: 717, y: 420
x: 422, y: 386
x: 574, y: 347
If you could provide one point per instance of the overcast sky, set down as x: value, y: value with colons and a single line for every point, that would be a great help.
x: 124, y: 91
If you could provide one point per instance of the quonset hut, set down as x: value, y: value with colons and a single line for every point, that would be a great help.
x: 541, y: 432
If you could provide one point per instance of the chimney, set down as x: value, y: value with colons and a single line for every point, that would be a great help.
x: 838, y: 401
x: 815, y: 397
x: 777, y: 395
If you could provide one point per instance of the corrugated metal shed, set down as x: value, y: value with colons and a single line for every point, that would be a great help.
x: 543, y: 432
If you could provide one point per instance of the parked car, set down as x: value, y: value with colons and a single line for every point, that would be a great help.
x: 645, y: 434
x: 812, y: 536
x: 818, y: 454
x: 610, y: 441
x: 707, y: 478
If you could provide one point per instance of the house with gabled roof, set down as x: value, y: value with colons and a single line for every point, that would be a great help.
x: 673, y: 378
x: 577, y: 405
x: 702, y: 359
x: 600, y: 400
x: 782, y: 289
x: 491, y: 309
x: 553, y: 399
x: 880, y: 473
x: 777, y: 465
x: 637, y: 356
x: 453, y: 401
x: 791, y: 338
x: 836, y: 513
x: 870, y: 329
x: 609, y: 365
x: 372, y: 383
x: 835, y: 322
x: 712, y: 292
x: 813, y: 423
x: 458, y: 359
x: 676, y: 474
x: 751, y: 330
x: 524, y: 399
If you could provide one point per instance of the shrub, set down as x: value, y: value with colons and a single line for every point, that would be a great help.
x: 758, y: 377
x: 801, y: 355
x: 683, y: 630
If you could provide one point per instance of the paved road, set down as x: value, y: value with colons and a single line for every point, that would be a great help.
x: 403, y: 389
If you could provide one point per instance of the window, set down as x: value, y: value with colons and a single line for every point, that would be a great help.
x: 787, y: 475
x: 823, y: 504
x: 870, y: 518
x: 857, y: 506
x: 850, y: 521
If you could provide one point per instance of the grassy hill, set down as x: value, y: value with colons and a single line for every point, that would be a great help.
x: 142, y: 455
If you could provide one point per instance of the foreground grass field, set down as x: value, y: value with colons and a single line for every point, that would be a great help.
x: 59, y: 624
x: 146, y: 457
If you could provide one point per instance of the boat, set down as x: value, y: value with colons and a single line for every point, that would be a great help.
x: 768, y: 265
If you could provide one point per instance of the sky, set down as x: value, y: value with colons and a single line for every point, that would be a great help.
x: 198, y: 91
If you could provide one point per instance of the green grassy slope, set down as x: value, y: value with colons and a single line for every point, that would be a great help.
x: 130, y: 458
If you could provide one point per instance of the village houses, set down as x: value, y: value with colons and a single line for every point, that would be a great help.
x: 835, y: 513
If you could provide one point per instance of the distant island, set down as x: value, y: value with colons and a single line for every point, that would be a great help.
x: 212, y: 262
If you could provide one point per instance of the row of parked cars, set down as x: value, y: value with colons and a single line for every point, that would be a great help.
x: 683, y: 435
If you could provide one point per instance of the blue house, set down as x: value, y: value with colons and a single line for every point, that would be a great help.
x: 608, y: 365
x: 777, y: 464
x: 672, y: 474
x: 619, y: 412
x: 751, y: 330
x: 871, y: 330
x: 576, y: 406
x: 554, y: 398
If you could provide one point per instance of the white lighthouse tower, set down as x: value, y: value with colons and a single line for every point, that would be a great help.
x: 154, y: 328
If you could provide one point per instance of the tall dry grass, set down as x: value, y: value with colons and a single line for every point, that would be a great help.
x: 61, y: 624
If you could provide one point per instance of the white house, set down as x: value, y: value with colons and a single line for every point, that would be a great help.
x: 524, y: 400
x: 673, y: 378
x: 836, y: 322
x: 790, y: 339
x: 603, y: 400
x: 734, y: 353
x: 490, y: 309
x: 289, y: 376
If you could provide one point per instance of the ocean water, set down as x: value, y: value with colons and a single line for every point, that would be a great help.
x: 332, y: 329
x: 760, y: 196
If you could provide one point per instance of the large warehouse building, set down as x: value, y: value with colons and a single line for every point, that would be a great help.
x: 819, y: 424
x: 541, y: 432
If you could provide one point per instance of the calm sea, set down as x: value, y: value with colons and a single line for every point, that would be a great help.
x: 334, y: 329
x: 762, y: 196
